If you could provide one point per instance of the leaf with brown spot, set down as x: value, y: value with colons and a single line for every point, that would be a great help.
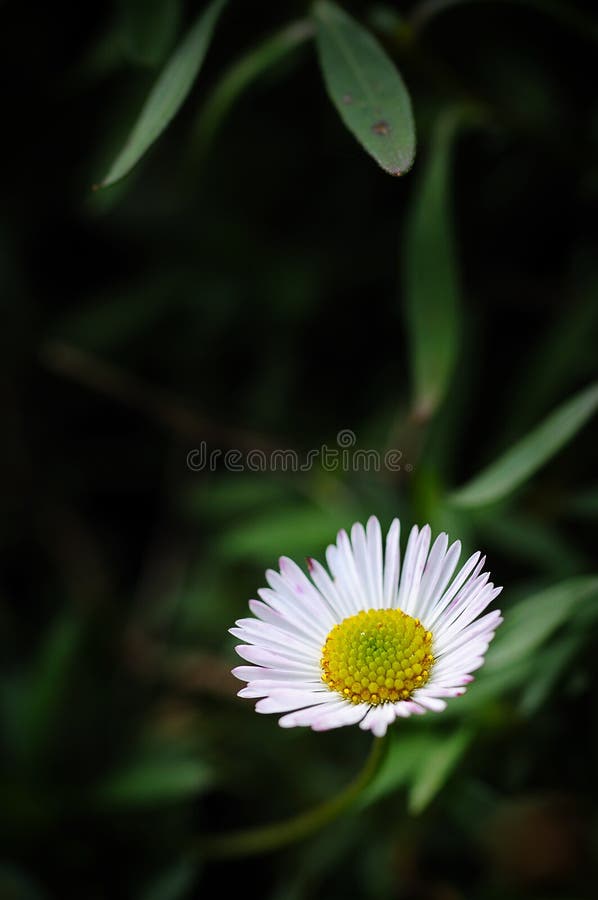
x: 366, y: 88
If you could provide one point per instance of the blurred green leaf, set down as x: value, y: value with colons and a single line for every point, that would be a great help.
x: 15, y: 884
x: 530, y: 539
x: 295, y: 532
x: 532, y: 621
x: 526, y: 457
x: 489, y: 688
x: 434, y: 769
x: 151, y: 782
x: 432, y: 301
x: 563, y: 355
x: 43, y: 689
x: 245, y: 71
x: 366, y: 89
x: 404, y: 752
x: 222, y: 497
x: 174, y: 883
x: 551, y: 663
x: 168, y: 93
x: 583, y: 505
x: 148, y: 28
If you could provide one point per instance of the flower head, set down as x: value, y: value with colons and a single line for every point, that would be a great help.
x: 367, y: 641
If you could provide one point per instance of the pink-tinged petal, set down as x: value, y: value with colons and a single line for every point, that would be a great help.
x: 257, y: 689
x: 404, y: 709
x: 286, y: 605
x: 347, y: 714
x: 327, y: 588
x: 470, y: 571
x: 378, y: 719
x: 307, y: 716
x: 434, y: 704
x: 287, y: 701
x: 305, y: 592
x: 263, y: 634
x: 266, y: 613
x: 257, y: 673
x: 347, y: 590
x: 262, y: 657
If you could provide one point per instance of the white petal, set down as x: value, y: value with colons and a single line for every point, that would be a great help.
x: 471, y: 568
x: 346, y: 588
x: 305, y: 592
x: 484, y: 626
x: 429, y: 702
x: 347, y: 714
x: 264, y: 657
x: 266, y: 613
x: 286, y: 701
x: 322, y: 580
x: 376, y: 565
x: 264, y: 688
x: 264, y: 635
x: 307, y: 716
x: 286, y: 605
x: 439, y: 571
x: 345, y: 571
x: 392, y: 565
x: 255, y: 673
x: 378, y: 719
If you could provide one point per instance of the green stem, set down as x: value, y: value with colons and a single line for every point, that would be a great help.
x: 272, y: 837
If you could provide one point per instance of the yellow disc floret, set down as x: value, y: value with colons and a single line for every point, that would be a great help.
x: 377, y: 656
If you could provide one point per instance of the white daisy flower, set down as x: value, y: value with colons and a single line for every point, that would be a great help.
x: 366, y: 641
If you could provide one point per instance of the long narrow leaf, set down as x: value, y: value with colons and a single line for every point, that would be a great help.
x: 168, y: 93
x: 526, y: 457
x: 432, y: 301
x: 534, y: 620
x: 436, y: 767
x: 366, y: 89
x: 245, y: 71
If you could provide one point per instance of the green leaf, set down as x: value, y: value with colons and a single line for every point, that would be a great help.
x: 173, y: 883
x: 245, y: 71
x: 366, y: 89
x: 530, y: 539
x: 551, y: 664
x: 526, y: 457
x: 293, y: 531
x: 583, y: 505
x: 168, y: 93
x: 432, y: 295
x: 529, y: 624
x: 400, y: 762
x: 149, y: 28
x: 152, y: 782
x: 434, y: 770
x: 45, y: 686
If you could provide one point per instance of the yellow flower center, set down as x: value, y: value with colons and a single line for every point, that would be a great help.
x: 377, y: 656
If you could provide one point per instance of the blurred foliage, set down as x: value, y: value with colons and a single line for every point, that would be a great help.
x: 257, y: 283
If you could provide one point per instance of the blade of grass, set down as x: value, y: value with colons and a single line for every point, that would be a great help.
x: 432, y: 296
x: 522, y: 460
x: 246, y: 70
x: 168, y: 93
